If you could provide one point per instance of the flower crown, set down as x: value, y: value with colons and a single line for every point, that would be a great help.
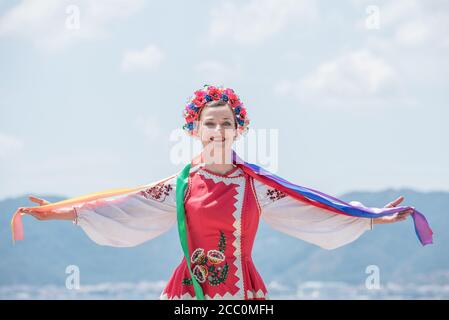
x: 213, y: 93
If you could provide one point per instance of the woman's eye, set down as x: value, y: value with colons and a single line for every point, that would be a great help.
x: 208, y: 124
x: 227, y: 123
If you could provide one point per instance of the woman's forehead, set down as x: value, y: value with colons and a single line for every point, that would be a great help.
x: 217, y: 112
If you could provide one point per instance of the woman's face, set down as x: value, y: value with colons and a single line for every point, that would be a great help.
x: 217, y: 126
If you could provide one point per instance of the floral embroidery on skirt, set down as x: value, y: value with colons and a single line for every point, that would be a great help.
x: 209, y: 266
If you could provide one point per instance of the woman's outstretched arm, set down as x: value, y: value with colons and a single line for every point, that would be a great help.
x: 69, y: 214
x: 400, y: 216
x: 315, y: 225
x: 119, y: 220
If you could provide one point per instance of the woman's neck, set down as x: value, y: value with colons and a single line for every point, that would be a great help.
x: 219, y: 168
x: 219, y: 160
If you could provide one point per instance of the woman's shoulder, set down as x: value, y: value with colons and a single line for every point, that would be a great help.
x: 160, y: 190
x: 265, y: 193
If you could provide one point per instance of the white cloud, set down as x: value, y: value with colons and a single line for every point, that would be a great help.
x: 354, y: 74
x: 56, y: 24
x: 413, y: 38
x: 9, y: 145
x: 213, y: 71
x: 412, y: 23
x: 430, y: 30
x: 254, y: 21
x: 148, y: 59
x: 150, y: 128
x: 284, y: 87
x: 355, y: 79
x: 413, y: 33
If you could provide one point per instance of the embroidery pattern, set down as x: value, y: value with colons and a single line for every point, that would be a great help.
x: 209, y: 266
x: 158, y: 192
x: 275, y: 194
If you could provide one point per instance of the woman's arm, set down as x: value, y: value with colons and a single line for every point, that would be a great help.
x: 307, y: 222
x: 119, y: 220
x: 69, y: 214
x: 400, y: 216
x: 315, y: 225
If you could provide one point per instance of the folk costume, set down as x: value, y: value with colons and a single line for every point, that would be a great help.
x: 217, y: 216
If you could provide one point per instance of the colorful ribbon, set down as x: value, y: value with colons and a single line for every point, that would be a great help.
x: 324, y: 201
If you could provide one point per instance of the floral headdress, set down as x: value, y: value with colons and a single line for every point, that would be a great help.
x: 213, y: 93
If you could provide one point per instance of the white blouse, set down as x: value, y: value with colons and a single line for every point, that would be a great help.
x: 131, y: 219
x: 307, y: 222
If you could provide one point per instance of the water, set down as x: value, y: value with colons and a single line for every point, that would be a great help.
x: 152, y: 290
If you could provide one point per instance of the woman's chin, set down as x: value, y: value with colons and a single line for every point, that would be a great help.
x: 219, y: 145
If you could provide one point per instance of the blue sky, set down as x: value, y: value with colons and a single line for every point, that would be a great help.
x: 90, y: 91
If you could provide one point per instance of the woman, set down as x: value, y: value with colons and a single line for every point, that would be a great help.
x: 217, y: 201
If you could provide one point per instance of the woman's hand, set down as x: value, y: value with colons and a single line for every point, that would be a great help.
x: 399, y: 216
x: 47, y: 215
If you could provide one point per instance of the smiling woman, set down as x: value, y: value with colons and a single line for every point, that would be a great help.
x: 217, y: 201
x: 217, y: 130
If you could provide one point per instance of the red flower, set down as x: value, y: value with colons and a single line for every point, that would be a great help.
x: 233, y: 100
x: 191, y: 115
x: 228, y: 91
x: 214, y: 93
x: 199, y: 101
x: 200, y: 93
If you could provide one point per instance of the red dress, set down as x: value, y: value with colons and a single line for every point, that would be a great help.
x: 222, y: 216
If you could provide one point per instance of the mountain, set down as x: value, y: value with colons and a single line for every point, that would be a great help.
x: 393, y: 248
x: 283, y: 261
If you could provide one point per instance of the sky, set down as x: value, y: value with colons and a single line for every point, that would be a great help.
x: 354, y: 96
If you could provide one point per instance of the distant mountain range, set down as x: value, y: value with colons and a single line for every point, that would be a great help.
x: 283, y: 261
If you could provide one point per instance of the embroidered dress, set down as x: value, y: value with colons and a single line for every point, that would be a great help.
x: 222, y: 214
x: 218, y: 215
